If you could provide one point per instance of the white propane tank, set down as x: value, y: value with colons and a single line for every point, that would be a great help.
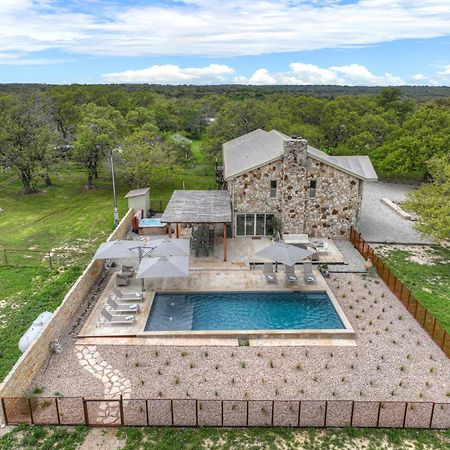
x: 34, y: 331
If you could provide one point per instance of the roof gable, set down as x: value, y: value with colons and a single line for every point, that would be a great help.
x: 260, y: 147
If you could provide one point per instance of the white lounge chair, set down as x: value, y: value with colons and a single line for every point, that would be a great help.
x: 114, y: 319
x: 308, y: 273
x: 129, y: 296
x: 269, y: 274
x: 122, y: 308
x: 291, y: 278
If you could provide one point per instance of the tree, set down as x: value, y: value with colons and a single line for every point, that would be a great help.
x: 28, y: 138
x: 98, y: 133
x: 431, y: 200
x: 146, y: 159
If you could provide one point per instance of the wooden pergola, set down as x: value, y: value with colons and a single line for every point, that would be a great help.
x: 199, y: 207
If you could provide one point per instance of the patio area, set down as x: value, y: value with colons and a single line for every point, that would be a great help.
x: 394, y: 359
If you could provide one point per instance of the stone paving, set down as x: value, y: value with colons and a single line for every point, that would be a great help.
x: 115, y: 384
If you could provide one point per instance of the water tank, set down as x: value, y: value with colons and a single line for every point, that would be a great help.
x: 34, y: 331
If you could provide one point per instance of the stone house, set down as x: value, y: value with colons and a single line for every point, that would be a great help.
x: 270, y: 175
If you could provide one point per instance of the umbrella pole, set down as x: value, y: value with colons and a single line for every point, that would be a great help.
x: 140, y: 260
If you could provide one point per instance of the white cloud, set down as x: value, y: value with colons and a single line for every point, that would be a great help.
x: 172, y: 74
x: 303, y: 74
x: 214, y: 27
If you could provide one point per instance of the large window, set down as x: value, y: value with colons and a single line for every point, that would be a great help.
x: 312, y: 188
x: 254, y: 224
x: 273, y: 189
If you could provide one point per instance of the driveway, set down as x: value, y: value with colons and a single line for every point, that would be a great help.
x: 378, y: 223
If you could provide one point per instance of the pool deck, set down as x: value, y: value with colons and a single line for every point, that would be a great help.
x: 211, y: 280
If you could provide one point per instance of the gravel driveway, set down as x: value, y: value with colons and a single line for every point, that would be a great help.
x: 378, y: 223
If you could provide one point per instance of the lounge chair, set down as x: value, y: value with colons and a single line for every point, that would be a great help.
x: 128, y: 297
x: 308, y: 273
x: 122, y: 280
x: 122, y: 308
x: 291, y: 278
x: 118, y: 320
x: 269, y: 274
x: 127, y: 270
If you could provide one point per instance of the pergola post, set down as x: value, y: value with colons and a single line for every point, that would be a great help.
x: 177, y: 229
x: 170, y: 229
x: 224, y: 241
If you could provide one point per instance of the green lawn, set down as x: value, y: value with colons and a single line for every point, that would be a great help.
x: 68, y: 438
x: 430, y: 283
x: 67, y: 218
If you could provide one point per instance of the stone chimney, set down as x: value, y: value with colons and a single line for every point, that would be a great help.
x: 295, y: 149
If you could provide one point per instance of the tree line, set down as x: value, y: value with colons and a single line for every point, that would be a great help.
x: 148, y: 127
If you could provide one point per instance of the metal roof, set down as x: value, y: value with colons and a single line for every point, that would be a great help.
x: 137, y: 192
x: 260, y: 147
x: 198, y: 207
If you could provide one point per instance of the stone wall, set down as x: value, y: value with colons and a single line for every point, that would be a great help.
x: 32, y: 361
x: 332, y: 211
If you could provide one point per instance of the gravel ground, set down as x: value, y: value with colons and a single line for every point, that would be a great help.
x: 378, y: 223
x: 394, y: 360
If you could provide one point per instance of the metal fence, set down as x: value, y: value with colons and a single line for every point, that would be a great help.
x: 426, y: 320
x: 158, y: 205
x: 229, y: 413
x: 33, y: 258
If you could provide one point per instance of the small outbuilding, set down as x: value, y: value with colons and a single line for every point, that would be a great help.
x: 139, y: 199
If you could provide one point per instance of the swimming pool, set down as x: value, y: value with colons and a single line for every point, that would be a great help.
x: 286, y: 310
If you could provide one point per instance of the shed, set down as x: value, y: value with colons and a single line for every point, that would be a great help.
x: 139, y: 199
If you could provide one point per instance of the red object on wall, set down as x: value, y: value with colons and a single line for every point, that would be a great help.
x: 136, y: 219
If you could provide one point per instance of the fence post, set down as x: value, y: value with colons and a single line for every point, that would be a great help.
x: 434, y: 326
x: 351, y: 418
x: 31, y: 411
x: 404, y: 415
x: 378, y: 416
x: 443, y: 340
x: 273, y: 408
x: 221, y: 402
x: 171, y: 409
x: 432, y: 414
x: 409, y: 299
x: 121, y: 410
x: 146, y: 412
x: 86, y: 414
x: 4, y: 411
x: 325, y: 415
x: 196, y: 413
x: 57, y: 410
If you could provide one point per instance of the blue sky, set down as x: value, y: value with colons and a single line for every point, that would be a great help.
x: 367, y: 42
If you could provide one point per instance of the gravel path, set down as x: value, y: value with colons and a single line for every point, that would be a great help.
x: 378, y: 223
x: 394, y: 360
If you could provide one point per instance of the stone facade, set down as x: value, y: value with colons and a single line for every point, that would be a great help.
x: 329, y: 213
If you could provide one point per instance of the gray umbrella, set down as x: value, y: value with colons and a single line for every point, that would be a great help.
x: 117, y: 249
x: 163, y: 267
x: 168, y: 247
x: 284, y: 253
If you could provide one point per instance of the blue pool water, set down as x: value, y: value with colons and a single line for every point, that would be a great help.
x: 242, y: 311
x: 151, y: 223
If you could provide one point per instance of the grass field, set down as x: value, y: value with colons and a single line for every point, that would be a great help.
x: 426, y: 272
x: 68, y: 438
x: 70, y: 220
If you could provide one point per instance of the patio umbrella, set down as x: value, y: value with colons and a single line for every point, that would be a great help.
x: 168, y: 247
x: 284, y: 253
x: 117, y: 249
x: 163, y: 267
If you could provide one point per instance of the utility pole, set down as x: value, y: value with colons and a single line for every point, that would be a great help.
x: 116, y: 212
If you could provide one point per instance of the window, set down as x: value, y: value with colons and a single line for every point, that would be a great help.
x: 312, y: 188
x: 273, y: 189
x: 259, y: 224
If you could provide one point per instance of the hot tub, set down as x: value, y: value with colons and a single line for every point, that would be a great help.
x: 152, y: 226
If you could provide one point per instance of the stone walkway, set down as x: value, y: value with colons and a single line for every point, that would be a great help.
x: 352, y: 256
x: 115, y: 384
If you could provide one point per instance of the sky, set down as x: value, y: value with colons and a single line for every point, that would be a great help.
x: 260, y: 42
